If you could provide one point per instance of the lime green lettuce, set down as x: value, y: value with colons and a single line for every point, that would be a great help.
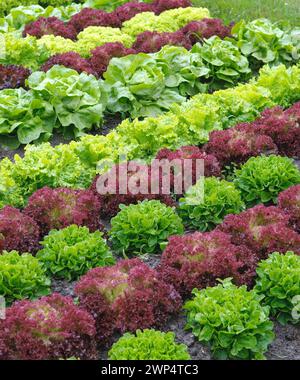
x: 78, y: 99
x: 22, y: 51
x: 72, y: 251
x: 168, y: 21
x: 22, y: 276
x: 261, y: 179
x: 207, y: 203
x: 141, y: 228
x: 279, y: 282
x: 231, y: 321
x: 148, y: 345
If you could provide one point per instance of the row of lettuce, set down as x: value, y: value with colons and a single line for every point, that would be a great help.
x: 75, y: 164
x: 9, y: 6
x: 129, y: 295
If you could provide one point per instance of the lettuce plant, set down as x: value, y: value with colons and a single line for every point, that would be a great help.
x: 278, y: 280
x: 70, y: 60
x: 61, y: 207
x: 78, y: 99
x: 72, y: 251
x: 114, y: 197
x: 148, y: 345
x: 129, y: 10
x: 126, y: 297
x: 263, y: 42
x: 261, y: 179
x: 49, y: 25
x: 225, y: 61
x: 12, y: 76
x: 163, y: 5
x: 22, y: 276
x: 197, y: 260
x: 152, y: 42
x: 18, y: 231
x: 93, y: 17
x: 206, y: 203
x: 262, y: 229
x: 231, y: 320
x: 197, y: 31
x: 143, y: 227
x: 236, y: 145
x: 24, y: 117
x: 283, y: 127
x: 47, y: 329
x: 289, y: 201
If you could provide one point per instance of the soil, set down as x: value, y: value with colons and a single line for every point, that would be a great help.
x: 286, y: 346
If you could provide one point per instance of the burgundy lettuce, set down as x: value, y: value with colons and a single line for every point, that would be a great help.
x: 126, y: 297
x: 61, y: 207
x: 93, y: 17
x: 197, y: 260
x: 164, y: 5
x: 18, y: 231
x: 263, y: 229
x: 49, y: 25
x: 49, y: 328
x: 289, y: 201
x: 71, y: 60
x: 197, y: 31
x: 129, y: 10
x: 13, y: 76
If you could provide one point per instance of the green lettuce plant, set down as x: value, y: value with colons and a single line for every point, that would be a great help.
x: 207, y: 203
x: 261, y: 179
x: 24, y: 117
x: 70, y: 252
x: 264, y: 42
x: 279, y: 282
x: 78, y: 99
x: 231, y: 320
x: 224, y: 60
x: 22, y: 276
x: 148, y: 345
x: 142, y: 228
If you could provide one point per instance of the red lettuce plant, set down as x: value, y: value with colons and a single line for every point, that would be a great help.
x: 197, y: 260
x: 93, y: 17
x: 238, y: 144
x: 129, y: 10
x: 262, y: 229
x: 61, y: 207
x: 163, y: 5
x: 49, y: 25
x: 71, y: 60
x: 151, y: 42
x: 126, y: 297
x: 12, y: 76
x: 18, y: 232
x: 283, y: 127
x: 49, y: 328
x: 103, y: 54
x: 118, y: 192
x: 211, y: 164
x: 289, y: 201
x: 197, y: 31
